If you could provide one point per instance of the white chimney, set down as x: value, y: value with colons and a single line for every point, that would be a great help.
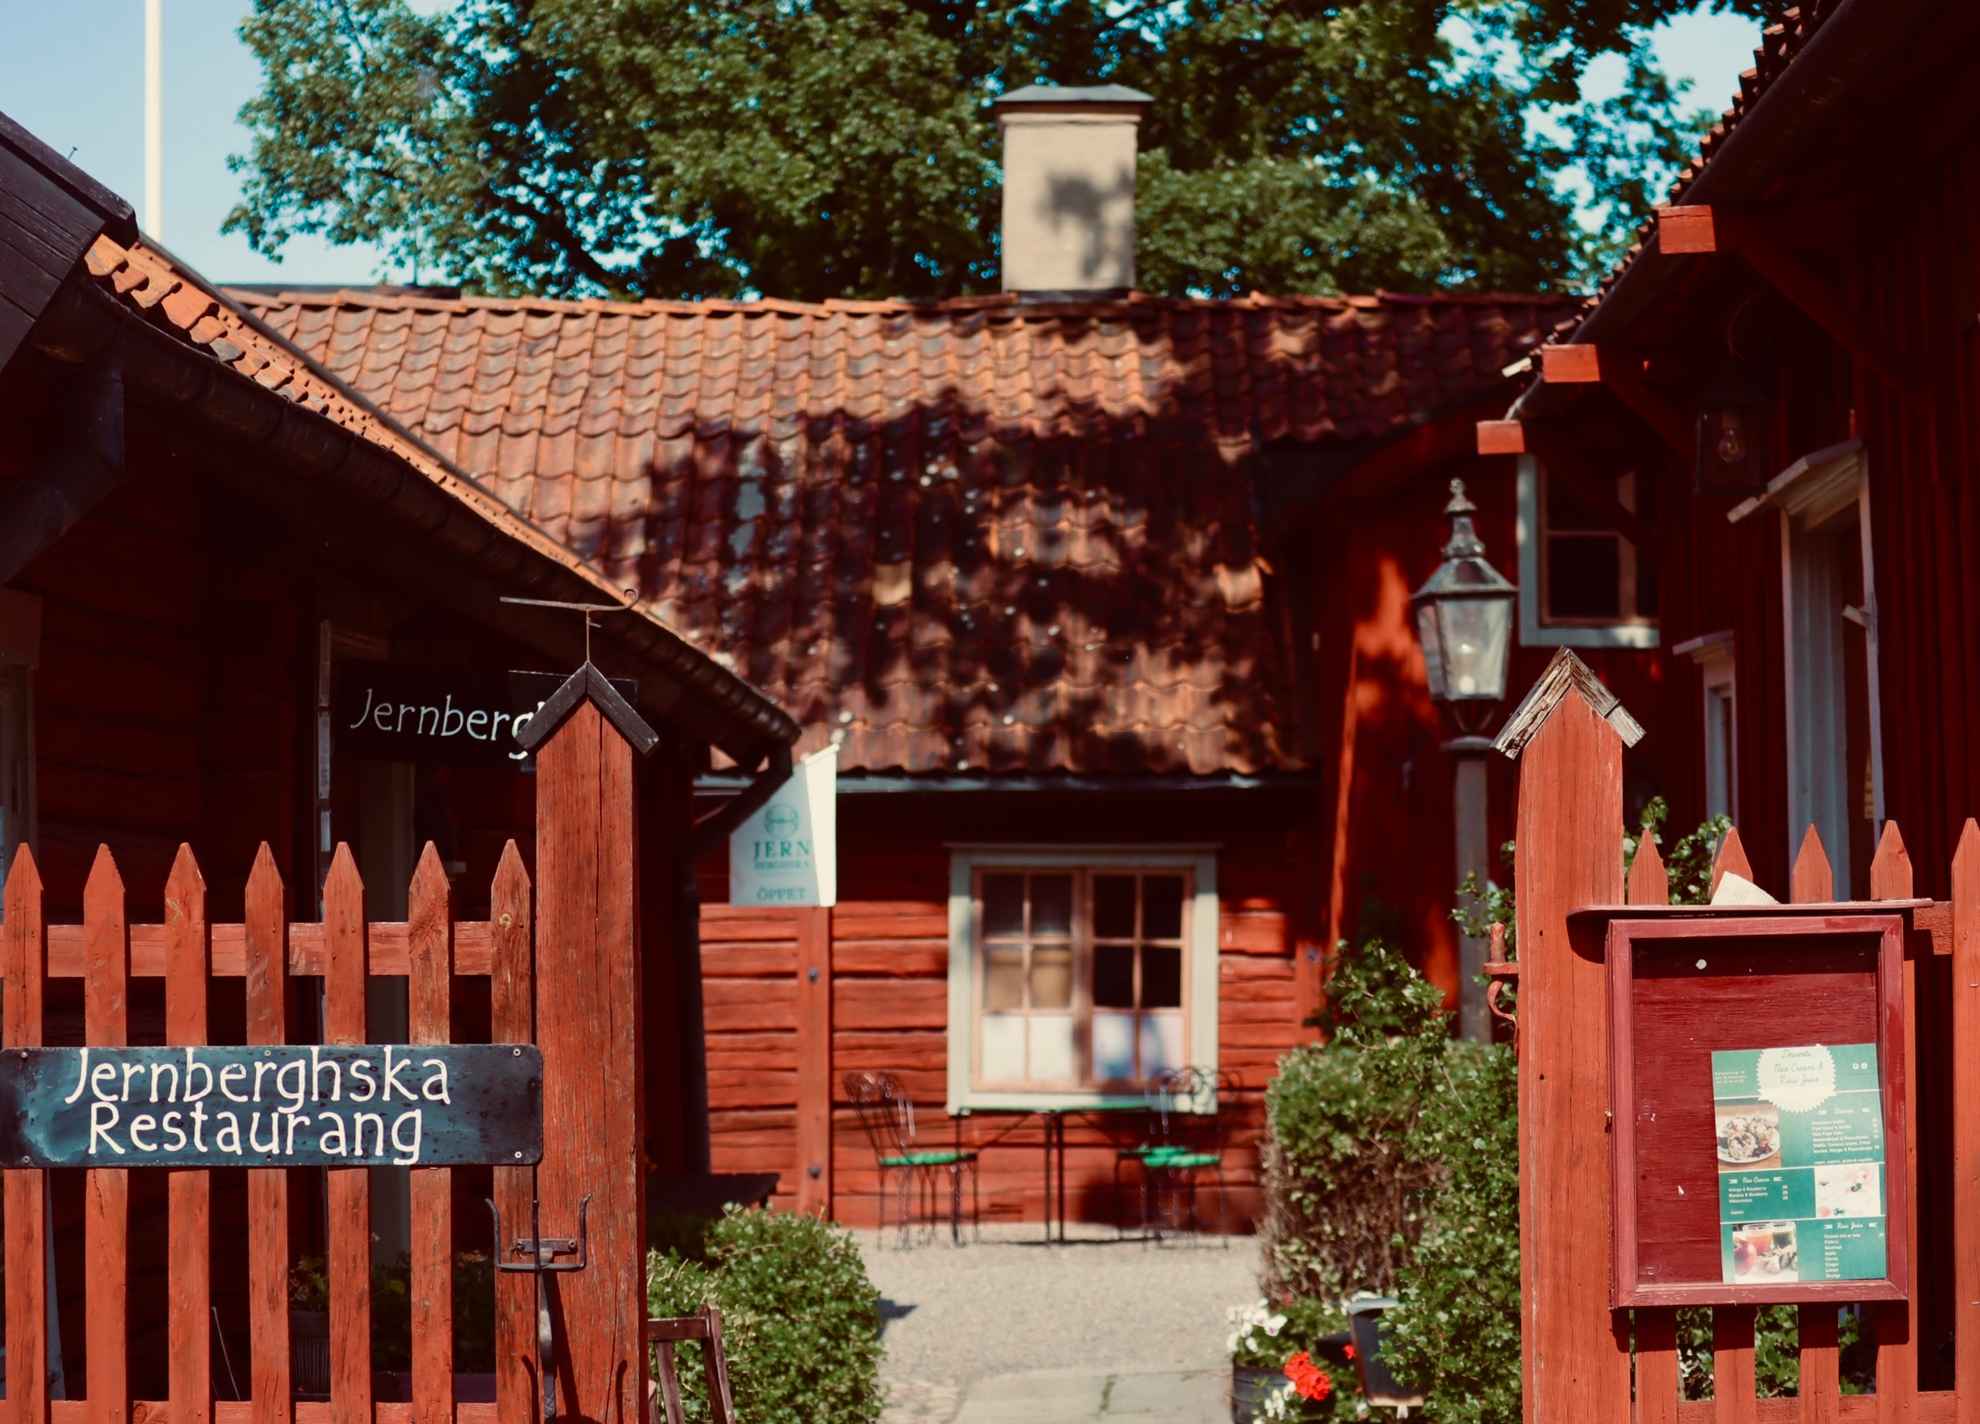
x: 1069, y: 188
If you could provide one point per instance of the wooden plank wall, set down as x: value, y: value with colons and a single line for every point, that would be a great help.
x: 889, y: 977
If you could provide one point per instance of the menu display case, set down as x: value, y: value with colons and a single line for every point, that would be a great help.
x: 1758, y: 1094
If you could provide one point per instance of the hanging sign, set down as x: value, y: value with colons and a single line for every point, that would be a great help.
x: 344, y: 1105
x: 460, y: 716
x: 1799, y: 1134
x: 786, y: 853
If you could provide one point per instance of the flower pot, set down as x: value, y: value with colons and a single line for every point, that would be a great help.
x: 1251, y: 1385
x: 309, y: 1347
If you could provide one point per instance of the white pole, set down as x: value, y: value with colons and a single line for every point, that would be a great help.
x: 154, y: 117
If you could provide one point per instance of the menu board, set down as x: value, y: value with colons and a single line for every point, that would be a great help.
x: 1800, y: 1146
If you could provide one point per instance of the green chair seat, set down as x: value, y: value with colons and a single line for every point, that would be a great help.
x: 1178, y: 1158
x: 1144, y: 1151
x: 928, y: 1159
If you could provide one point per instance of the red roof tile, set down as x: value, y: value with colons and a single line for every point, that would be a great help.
x: 968, y: 536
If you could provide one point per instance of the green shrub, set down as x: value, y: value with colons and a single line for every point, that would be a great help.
x: 1343, y: 1187
x: 1456, y: 1334
x: 800, y: 1323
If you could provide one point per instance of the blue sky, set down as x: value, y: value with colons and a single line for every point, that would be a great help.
x: 74, y: 74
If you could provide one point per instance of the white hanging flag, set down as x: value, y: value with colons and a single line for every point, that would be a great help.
x: 787, y: 851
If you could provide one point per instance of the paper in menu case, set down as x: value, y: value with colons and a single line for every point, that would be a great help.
x: 1800, y: 1145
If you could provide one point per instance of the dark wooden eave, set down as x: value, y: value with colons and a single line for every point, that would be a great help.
x: 50, y: 213
x: 1868, y: 95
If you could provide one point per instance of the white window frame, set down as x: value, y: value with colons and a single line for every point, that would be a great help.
x: 1719, y: 707
x: 1809, y: 495
x: 1199, y: 975
x: 20, y: 652
x: 1534, y: 631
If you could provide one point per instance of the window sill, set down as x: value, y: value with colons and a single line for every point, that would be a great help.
x: 1608, y: 635
x: 1047, y: 1100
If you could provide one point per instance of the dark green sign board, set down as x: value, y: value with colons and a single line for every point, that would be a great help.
x: 344, y: 1105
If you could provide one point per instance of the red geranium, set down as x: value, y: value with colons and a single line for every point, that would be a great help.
x: 1309, y: 1379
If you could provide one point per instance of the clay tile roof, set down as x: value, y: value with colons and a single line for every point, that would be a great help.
x: 973, y: 536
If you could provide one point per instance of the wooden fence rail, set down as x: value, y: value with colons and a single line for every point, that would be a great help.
x: 106, y: 952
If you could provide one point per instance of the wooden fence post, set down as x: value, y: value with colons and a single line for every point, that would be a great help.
x: 1569, y: 734
x: 814, y: 1046
x: 588, y: 1002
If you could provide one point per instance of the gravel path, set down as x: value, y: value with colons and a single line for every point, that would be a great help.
x: 1012, y: 1305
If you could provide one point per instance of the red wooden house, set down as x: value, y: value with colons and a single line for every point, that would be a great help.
x: 208, y: 548
x: 1103, y: 600
x: 1786, y: 360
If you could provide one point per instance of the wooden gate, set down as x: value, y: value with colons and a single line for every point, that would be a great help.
x: 570, y: 986
x: 1583, y: 1360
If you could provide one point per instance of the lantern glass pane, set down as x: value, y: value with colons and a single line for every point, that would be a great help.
x: 1476, y: 635
x: 1433, y: 652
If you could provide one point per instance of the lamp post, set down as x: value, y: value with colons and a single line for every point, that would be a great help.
x: 1464, y: 614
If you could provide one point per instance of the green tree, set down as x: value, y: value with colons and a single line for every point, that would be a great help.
x: 817, y: 148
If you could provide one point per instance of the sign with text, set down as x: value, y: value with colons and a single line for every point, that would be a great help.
x: 463, y: 716
x: 1800, y: 1145
x: 341, y: 1105
x: 787, y: 852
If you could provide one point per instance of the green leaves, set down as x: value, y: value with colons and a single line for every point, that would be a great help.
x: 799, y: 1319
x: 824, y: 148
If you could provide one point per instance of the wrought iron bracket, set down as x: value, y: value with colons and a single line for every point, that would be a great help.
x: 544, y: 1258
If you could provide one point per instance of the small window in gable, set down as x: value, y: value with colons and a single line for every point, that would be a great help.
x: 1585, y: 580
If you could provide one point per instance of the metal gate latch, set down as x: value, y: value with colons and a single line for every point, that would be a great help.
x: 544, y: 1255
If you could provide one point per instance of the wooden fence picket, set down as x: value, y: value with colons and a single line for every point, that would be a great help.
x: 106, y: 1190
x: 349, y: 1188
x: 1731, y: 858
x: 188, y: 961
x: 24, y: 945
x: 265, y: 941
x: 429, y: 990
x: 1656, y: 1330
x: 1896, y: 1324
x: 1813, y: 881
x: 1966, y: 1127
x: 512, y: 1019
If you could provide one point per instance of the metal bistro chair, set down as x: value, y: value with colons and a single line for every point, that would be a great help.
x: 1187, y: 1129
x: 663, y: 1333
x: 888, y: 1117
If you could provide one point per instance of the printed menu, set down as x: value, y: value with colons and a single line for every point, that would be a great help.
x: 1801, y: 1163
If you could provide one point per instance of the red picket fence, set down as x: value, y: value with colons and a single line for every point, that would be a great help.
x: 431, y: 950
x: 1586, y: 1362
x: 1895, y: 1327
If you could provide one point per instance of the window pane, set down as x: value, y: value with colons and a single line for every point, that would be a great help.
x: 1113, y: 1047
x: 1161, y: 907
x: 1051, y: 976
x: 1113, y: 976
x: 1584, y: 578
x: 1003, y: 904
x: 1051, y: 905
x: 1161, y: 977
x: 1003, y: 984
x: 1002, y: 1042
x: 1051, y: 1058
x: 1113, y: 906
x: 1161, y: 1043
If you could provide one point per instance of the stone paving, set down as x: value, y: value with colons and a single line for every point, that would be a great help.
x: 1010, y: 1329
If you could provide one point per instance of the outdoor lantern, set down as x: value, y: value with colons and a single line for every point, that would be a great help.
x: 1732, y: 423
x: 1464, y: 614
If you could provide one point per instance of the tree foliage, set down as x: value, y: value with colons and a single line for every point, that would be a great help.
x: 816, y: 148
